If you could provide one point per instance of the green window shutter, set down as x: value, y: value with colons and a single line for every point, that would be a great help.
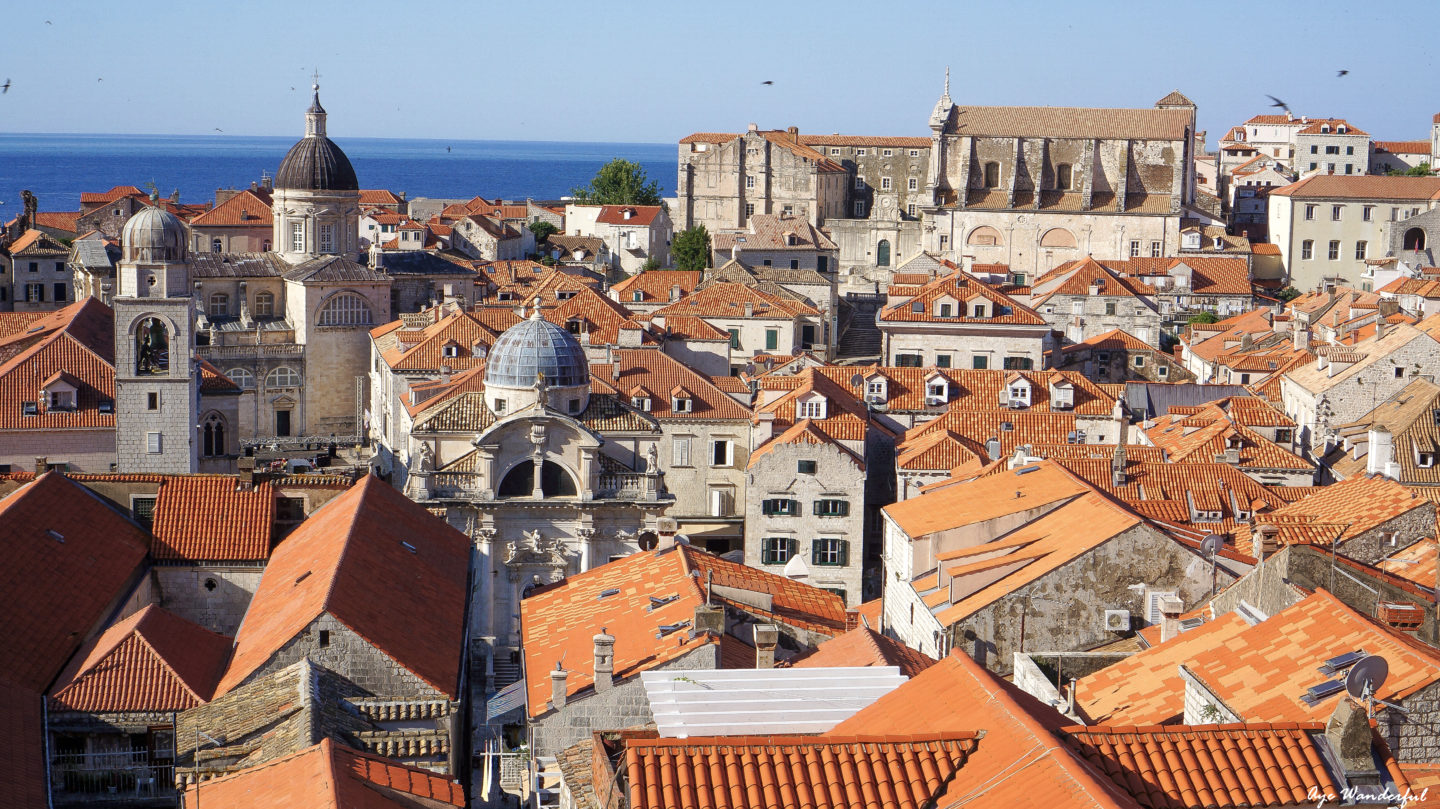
x: 844, y: 508
x: 816, y: 507
x: 814, y: 551
x: 735, y: 338
x: 792, y: 547
x: 772, y: 339
x: 844, y: 552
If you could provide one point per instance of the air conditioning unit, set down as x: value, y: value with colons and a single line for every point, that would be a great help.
x: 1117, y: 620
x: 1017, y: 404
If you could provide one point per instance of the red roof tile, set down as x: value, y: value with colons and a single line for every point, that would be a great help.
x: 727, y: 300
x: 208, y: 518
x: 655, y: 285
x: 873, y: 772
x: 640, y: 215
x: 68, y: 557
x: 1369, y: 186
x: 962, y: 289
x: 659, y: 373
x: 863, y: 646
x: 78, y: 339
x: 329, y: 776
x: 245, y: 209
x: 152, y: 661
x: 22, y: 756
x: 380, y: 564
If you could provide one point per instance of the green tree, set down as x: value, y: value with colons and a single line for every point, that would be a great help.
x: 619, y: 182
x: 543, y: 230
x: 691, y: 249
x: 1203, y: 317
x: 1287, y: 294
x: 1422, y: 170
x: 650, y: 264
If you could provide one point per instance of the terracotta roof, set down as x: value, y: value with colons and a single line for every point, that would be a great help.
x: 379, y: 196
x: 1236, y: 765
x: 962, y: 289
x: 640, y: 215
x: 1330, y: 126
x: 68, y: 557
x: 558, y: 623
x: 1070, y: 122
x: 1020, y: 761
x: 57, y: 220
x: 329, y: 776
x: 770, y: 232
x: 378, y: 563
x: 955, y: 506
x: 659, y: 373
x: 846, y: 418
x: 1209, y: 274
x: 23, y: 771
x: 424, y: 349
x: 599, y: 319
x: 1361, y: 186
x: 869, y: 772
x: 213, y: 380
x: 1353, y: 506
x: 726, y: 300
x: 245, y: 209
x: 37, y: 243
x: 209, y: 518
x: 1113, y: 340
x: 865, y: 140
x: 1265, y: 249
x: 863, y: 646
x: 1080, y: 276
x: 1209, y: 434
x: 153, y: 660
x: 1408, y: 416
x: 804, y: 431
x: 78, y: 339
x: 1421, y: 147
x: 1416, y: 563
x: 113, y: 194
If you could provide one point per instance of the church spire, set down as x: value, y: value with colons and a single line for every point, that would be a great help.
x: 315, y: 116
x: 946, y: 95
x: 943, y: 106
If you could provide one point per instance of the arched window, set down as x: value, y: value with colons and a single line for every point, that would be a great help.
x: 242, y: 377
x: 554, y: 481
x: 212, y: 440
x: 152, y: 347
x: 985, y: 235
x: 346, y: 309
x: 215, y: 246
x: 283, y: 377
x: 992, y: 175
x: 882, y: 253
x: 265, y: 304
x: 219, y: 304
x: 1062, y: 177
x: 1057, y: 237
x: 1415, y: 239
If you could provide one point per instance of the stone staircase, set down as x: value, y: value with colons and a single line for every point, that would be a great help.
x: 859, y: 338
x: 505, y: 671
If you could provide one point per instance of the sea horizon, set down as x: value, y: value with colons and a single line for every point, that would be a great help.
x: 57, y: 167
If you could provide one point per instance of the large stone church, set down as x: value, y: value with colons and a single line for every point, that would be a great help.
x: 290, y: 326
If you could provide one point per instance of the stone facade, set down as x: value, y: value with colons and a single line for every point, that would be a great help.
x: 185, y: 590
x: 724, y: 179
x: 1111, y: 364
x: 80, y: 450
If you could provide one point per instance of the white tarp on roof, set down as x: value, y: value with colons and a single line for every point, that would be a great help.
x: 727, y: 702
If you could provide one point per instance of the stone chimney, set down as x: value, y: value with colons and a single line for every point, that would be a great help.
x: 1266, y: 540
x: 1302, y: 338
x: 794, y: 133
x: 604, y: 661
x: 764, y: 427
x: 749, y: 309
x: 675, y: 292
x: 1117, y: 465
x: 1380, y: 457
x: 754, y: 128
x: 1350, y: 738
x: 665, y: 529
x: 766, y: 636
x: 557, y: 687
x: 42, y: 465
x: 1170, y: 609
x: 710, y: 618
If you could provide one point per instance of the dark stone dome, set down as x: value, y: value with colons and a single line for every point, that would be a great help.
x: 316, y: 164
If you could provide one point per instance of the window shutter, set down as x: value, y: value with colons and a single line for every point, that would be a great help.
x: 791, y: 547
x: 815, y: 551
x: 844, y: 551
x: 817, y: 507
x: 844, y: 510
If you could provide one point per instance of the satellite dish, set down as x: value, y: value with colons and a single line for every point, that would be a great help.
x: 857, y: 380
x: 1366, y: 677
x: 1211, y: 545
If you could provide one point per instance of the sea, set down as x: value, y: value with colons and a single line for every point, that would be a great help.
x: 57, y: 168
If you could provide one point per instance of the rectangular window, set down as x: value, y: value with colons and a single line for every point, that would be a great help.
x: 1349, y: 169
x: 142, y: 510
x: 860, y: 209
x: 60, y: 292
x: 735, y: 339
x: 1307, y: 249
x: 945, y: 310
x: 830, y: 552
x: 980, y: 362
x: 152, y: 443
x: 860, y: 152
x: 152, y: 401
x: 913, y: 185
x: 780, y: 507
x: 749, y: 210
x: 1154, y: 249
x: 1109, y: 307
x: 805, y: 467
x: 1335, y: 212
x: 1310, y: 212
x: 1334, y: 250
x: 680, y: 452
x: 831, y: 508
x: 887, y: 153
x: 912, y: 210
x: 297, y: 237
x: 1314, y: 149
x: 1332, y: 150
x: 1361, y: 247
x: 749, y: 182
x: 776, y: 550
x: 1367, y: 213
x: 34, y: 266
x: 908, y: 360
x: 722, y: 452
x: 884, y: 183
x: 1134, y: 249
x: 942, y: 360
x: 794, y: 263
x: 35, y: 293
x: 59, y: 266
x: 772, y: 339
x: 859, y: 182
x: 327, y: 238
x: 1312, y: 168
x: 914, y: 152
x: 1349, y: 150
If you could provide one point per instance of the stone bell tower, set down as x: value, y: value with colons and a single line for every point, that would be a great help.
x: 157, y: 387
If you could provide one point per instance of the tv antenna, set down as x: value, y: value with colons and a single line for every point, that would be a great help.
x: 1365, y: 678
x: 1210, y: 548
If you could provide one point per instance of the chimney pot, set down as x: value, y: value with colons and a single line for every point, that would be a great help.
x: 604, y: 660
x: 557, y: 687
x: 766, y: 635
x: 42, y: 465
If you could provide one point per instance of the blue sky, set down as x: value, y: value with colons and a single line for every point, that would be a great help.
x: 655, y: 71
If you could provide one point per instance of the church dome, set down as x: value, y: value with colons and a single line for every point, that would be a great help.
x: 316, y: 164
x: 154, y: 234
x: 536, y: 346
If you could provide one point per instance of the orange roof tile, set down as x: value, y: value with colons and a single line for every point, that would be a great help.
x: 659, y: 373
x: 865, y: 140
x: 152, y: 661
x: 1355, y: 506
x: 804, y: 431
x: 728, y: 300
x: 380, y: 564
x: 1421, y: 147
x: 962, y: 289
x: 1416, y: 563
x: 559, y: 621
x: 655, y: 285
x: 1367, y: 186
x: 329, y: 776
x: 245, y: 209
x: 209, y: 518
x: 869, y: 772
x: 640, y: 215
x: 1020, y: 760
x: 23, y: 771
x: 1210, y: 433
x: 78, y: 339
x: 863, y: 646
x: 1330, y: 126
x: 68, y: 556
x: 984, y: 499
x: 1116, y: 339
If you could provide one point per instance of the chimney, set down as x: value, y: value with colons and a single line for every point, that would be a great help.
x: 557, y: 687
x: 754, y: 128
x: 245, y: 465
x: 1117, y: 466
x: 1170, y: 609
x: 1380, y: 326
x: 42, y: 465
x: 1266, y: 540
x: 1349, y: 735
x: 1246, y: 340
x: 629, y: 212
x: 794, y: 133
x: 604, y: 661
x: 665, y: 528
x: 749, y: 309
x: 1380, y: 459
x: 1302, y: 338
x: 675, y: 292
x: 710, y: 618
x: 445, y: 374
x: 765, y: 637
x: 764, y: 427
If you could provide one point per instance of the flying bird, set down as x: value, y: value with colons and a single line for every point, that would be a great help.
x: 218, y: 129
x: 1341, y: 73
x: 767, y: 82
x: 5, y: 88
x: 1278, y: 102
x: 99, y: 80
x: 47, y: 22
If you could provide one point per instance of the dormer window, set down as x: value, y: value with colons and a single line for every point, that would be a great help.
x: 1426, y: 460
x: 565, y: 294
x: 680, y: 404
x: 1192, y: 240
x: 450, y: 350
x: 573, y: 325
x: 917, y: 308
x: 813, y: 408
x: 875, y: 390
x: 980, y: 311
x: 640, y: 403
x: 637, y: 297
x: 944, y: 310
x: 937, y: 390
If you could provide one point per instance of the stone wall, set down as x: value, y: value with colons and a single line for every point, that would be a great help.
x: 186, y: 591
x: 963, y: 344
x: 1393, y: 535
x: 85, y: 450
x: 353, y: 658
x: 1118, y: 365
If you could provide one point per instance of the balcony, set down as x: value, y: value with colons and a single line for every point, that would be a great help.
x: 92, y: 779
x: 249, y: 351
